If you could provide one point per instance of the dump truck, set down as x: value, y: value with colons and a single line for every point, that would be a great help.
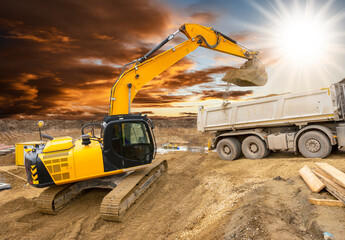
x: 310, y: 122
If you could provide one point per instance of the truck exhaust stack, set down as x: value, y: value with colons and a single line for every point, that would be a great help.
x: 251, y: 73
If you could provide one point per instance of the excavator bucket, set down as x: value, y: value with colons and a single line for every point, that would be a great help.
x: 251, y: 73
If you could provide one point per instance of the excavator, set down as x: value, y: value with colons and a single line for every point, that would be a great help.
x: 121, y: 156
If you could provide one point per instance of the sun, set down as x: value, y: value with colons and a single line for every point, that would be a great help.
x: 302, y: 41
x: 300, y: 34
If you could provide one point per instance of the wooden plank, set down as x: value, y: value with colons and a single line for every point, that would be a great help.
x: 326, y: 202
x: 327, y: 179
x: 335, y: 174
x: 311, y: 180
x: 333, y: 188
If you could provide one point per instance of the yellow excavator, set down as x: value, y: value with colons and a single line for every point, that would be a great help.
x: 121, y: 156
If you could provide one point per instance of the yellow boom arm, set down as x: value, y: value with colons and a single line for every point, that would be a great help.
x: 144, y: 70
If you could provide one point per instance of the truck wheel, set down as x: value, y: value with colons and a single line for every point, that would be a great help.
x: 229, y: 149
x: 314, y: 144
x: 267, y: 152
x: 254, y: 148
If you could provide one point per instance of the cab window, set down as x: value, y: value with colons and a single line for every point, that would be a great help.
x: 136, y: 142
x: 134, y: 133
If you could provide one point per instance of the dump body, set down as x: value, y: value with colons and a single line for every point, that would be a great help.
x: 284, y: 110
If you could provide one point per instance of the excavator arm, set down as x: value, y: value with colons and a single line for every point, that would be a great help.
x: 145, y: 69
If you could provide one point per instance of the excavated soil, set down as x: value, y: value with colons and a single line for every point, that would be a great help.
x: 201, y: 197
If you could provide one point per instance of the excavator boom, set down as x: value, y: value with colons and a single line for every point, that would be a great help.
x: 145, y: 69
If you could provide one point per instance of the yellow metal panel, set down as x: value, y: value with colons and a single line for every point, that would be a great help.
x: 61, y: 143
x: 88, y: 160
x: 59, y: 165
x: 104, y: 174
x: 225, y: 46
x: 78, y: 164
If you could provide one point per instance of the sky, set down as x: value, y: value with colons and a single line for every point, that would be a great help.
x: 59, y: 59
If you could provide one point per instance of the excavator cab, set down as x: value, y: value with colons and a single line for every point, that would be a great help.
x: 128, y: 141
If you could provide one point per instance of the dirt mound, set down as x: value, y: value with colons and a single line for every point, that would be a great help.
x: 14, y: 137
x: 175, y: 122
x: 31, y: 125
x: 16, y: 205
x: 8, y: 159
x: 7, y: 125
x: 276, y: 210
x: 16, y: 180
x: 15, y: 131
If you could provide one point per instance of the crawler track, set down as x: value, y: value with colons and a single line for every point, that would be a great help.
x: 53, y: 199
x: 131, y: 192
x: 128, y: 191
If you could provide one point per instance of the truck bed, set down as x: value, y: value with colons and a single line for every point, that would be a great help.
x: 289, y: 109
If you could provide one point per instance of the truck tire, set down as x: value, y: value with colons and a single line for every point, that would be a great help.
x: 267, y: 152
x: 254, y: 148
x: 314, y: 144
x: 229, y: 149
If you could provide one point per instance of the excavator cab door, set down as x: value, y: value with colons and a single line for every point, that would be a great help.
x: 136, y: 144
x: 127, y: 143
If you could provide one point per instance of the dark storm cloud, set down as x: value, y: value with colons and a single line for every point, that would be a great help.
x: 160, y: 92
x: 49, y: 48
x: 179, y: 76
x: 158, y: 98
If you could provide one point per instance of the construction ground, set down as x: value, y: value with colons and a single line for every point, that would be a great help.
x: 201, y: 196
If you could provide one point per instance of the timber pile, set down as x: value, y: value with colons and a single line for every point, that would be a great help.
x: 328, y: 177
